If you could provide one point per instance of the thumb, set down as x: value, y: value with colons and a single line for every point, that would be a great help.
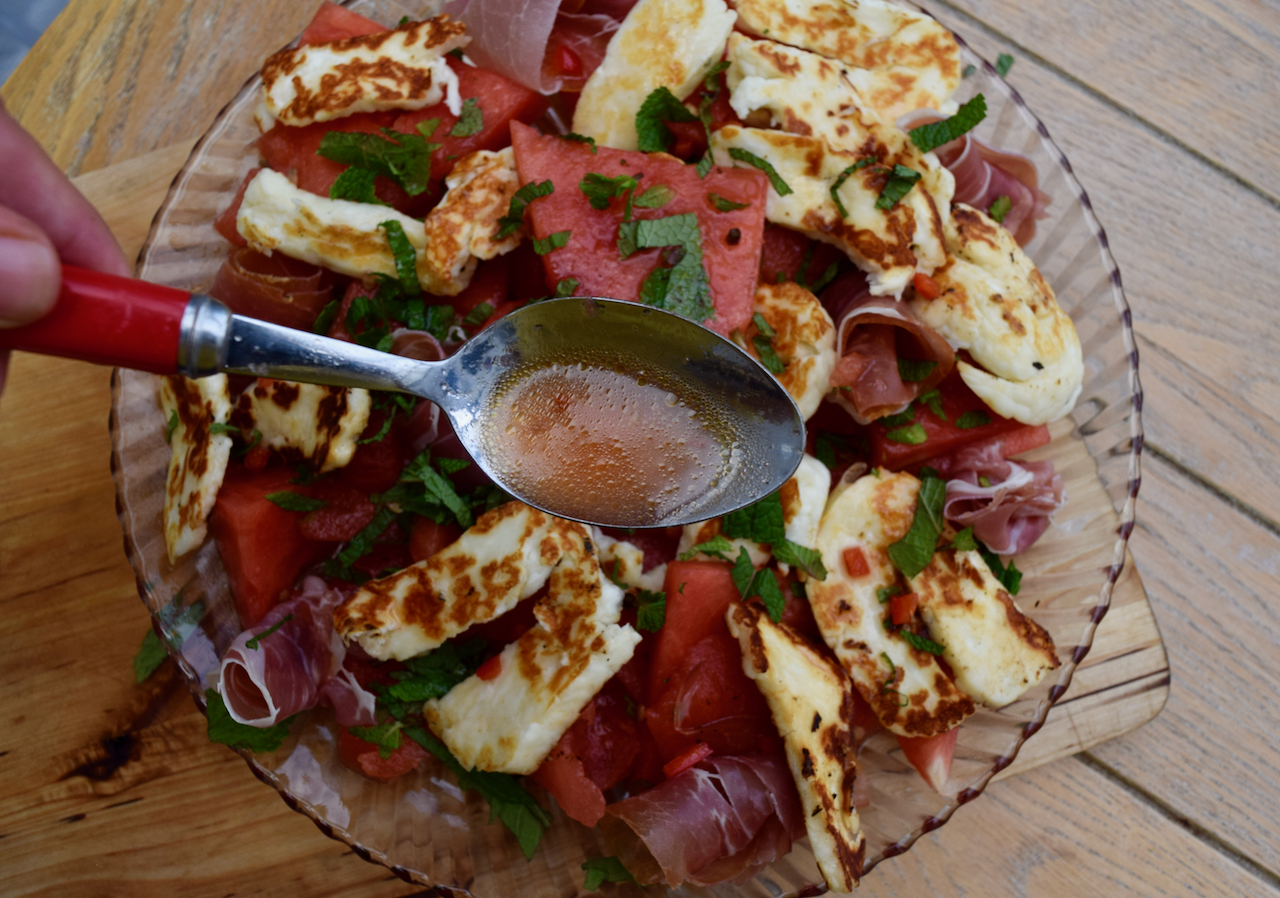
x: 30, y: 273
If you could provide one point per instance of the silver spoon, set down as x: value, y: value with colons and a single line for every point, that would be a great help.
x: 597, y: 410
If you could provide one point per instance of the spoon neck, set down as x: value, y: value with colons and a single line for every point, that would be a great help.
x: 213, y: 339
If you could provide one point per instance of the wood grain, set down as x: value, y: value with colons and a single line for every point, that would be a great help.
x: 1203, y: 71
x: 91, y: 87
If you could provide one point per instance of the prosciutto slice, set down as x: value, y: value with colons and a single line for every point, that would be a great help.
x: 872, y: 333
x: 512, y: 39
x: 274, y: 288
x: 725, y: 818
x: 984, y: 174
x: 1011, y: 513
x: 292, y: 667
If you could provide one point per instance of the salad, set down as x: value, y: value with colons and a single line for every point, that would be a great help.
x: 700, y: 695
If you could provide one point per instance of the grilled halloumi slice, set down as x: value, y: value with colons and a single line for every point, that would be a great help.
x: 995, y: 304
x: 625, y: 562
x: 907, y: 688
x: 811, y: 701
x: 342, y: 235
x: 890, y: 245
x: 805, y: 342
x: 995, y: 651
x: 510, y: 722
x: 305, y: 422
x: 803, y: 497
x: 661, y: 43
x: 506, y: 556
x: 405, y: 68
x: 899, y: 59
x: 199, y: 456
x: 462, y: 229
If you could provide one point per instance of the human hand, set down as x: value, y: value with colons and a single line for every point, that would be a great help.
x: 44, y: 221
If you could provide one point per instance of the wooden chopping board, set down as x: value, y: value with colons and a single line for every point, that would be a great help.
x: 107, y: 782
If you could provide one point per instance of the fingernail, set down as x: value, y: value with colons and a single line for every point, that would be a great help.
x: 29, y: 278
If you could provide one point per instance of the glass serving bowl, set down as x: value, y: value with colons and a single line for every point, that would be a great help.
x: 421, y: 825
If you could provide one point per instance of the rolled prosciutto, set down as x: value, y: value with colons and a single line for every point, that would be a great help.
x: 274, y: 288
x: 872, y: 334
x: 725, y: 818
x: 984, y: 174
x: 291, y: 660
x: 1012, y: 512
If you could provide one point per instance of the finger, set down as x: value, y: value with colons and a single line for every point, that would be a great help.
x: 33, y: 186
x: 30, y: 275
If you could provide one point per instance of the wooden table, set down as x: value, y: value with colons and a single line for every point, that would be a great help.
x: 1168, y: 113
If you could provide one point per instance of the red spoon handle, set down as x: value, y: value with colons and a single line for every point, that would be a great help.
x: 107, y: 320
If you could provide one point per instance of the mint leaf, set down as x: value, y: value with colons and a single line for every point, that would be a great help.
x: 428, y: 491
x: 291, y: 501
x: 434, y: 674
x: 170, y: 427
x: 659, y: 107
x: 762, y: 583
x: 358, y: 547
x: 715, y: 547
x: 404, y: 158
x: 600, y: 190
x: 1004, y: 62
x: 761, y: 521
x: 325, y: 319
x: 768, y: 358
x: 913, y: 371
x: 935, y: 134
x: 385, y: 735
x: 900, y: 182
x: 566, y: 287
x: 723, y: 204
x: 1010, y: 577
x: 406, y: 256
x: 912, y: 553
x: 1000, y: 208
x: 553, y: 242
x: 780, y: 186
x: 478, y: 315
x: 224, y: 730
x: 684, y: 288
x: 933, y: 401
x: 508, y: 802
x: 964, y: 541
x: 514, y: 219
x: 839, y: 182
x: 151, y: 655
x: 912, y: 435
x: 796, y: 555
x: 711, y: 80
x: 578, y: 138
x: 655, y: 197
x: 471, y: 122
x: 651, y: 612
x: 604, y: 869
x: 975, y: 418
x: 254, y: 642
x: 355, y: 184
x: 922, y: 643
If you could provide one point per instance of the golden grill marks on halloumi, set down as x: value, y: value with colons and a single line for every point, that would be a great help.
x: 509, y: 723
x: 624, y: 562
x: 661, y: 43
x: 995, y: 304
x: 803, y: 497
x: 811, y: 701
x: 341, y: 235
x: 405, y: 68
x: 198, y: 459
x: 995, y: 651
x: 304, y: 422
x: 890, y: 245
x: 506, y: 556
x: 907, y: 688
x: 805, y: 342
x: 462, y: 228
x: 899, y: 59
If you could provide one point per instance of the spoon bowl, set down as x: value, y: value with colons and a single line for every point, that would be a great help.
x: 592, y: 409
